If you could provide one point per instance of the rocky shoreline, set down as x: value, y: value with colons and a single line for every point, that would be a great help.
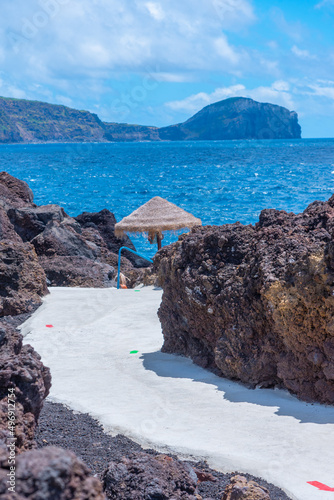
x: 80, y: 433
x: 251, y: 303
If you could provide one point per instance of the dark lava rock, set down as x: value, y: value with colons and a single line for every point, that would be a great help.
x: 51, y: 473
x: 26, y: 379
x: 104, y: 222
x: 14, y: 192
x: 256, y: 304
x: 77, y: 271
x: 79, y: 251
x: 28, y: 222
x: 7, y: 231
x: 22, y: 279
x: 62, y: 239
x: 141, y: 476
x: 80, y: 433
x: 241, y: 489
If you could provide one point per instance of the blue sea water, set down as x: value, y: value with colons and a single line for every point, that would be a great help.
x: 219, y: 182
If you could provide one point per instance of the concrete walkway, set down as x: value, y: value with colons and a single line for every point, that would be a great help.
x: 169, y: 403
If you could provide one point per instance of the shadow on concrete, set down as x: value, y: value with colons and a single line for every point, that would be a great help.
x: 170, y: 365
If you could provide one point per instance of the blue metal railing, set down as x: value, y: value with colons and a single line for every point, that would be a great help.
x: 119, y: 261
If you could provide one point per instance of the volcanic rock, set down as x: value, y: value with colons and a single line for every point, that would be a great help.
x: 241, y: 489
x: 51, y: 473
x: 141, y: 476
x: 256, y: 304
x: 21, y: 370
x: 28, y: 222
x: 62, y: 239
x: 7, y: 231
x: 14, y: 192
x: 22, y: 280
x: 77, y: 271
x: 104, y: 222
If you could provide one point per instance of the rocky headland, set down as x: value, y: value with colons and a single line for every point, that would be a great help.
x: 256, y: 303
x: 23, y: 121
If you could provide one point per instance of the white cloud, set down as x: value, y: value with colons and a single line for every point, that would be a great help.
x: 225, y: 51
x: 293, y: 30
x: 7, y: 89
x: 233, y: 12
x: 156, y: 10
x: 61, y: 99
x: 278, y: 93
x: 301, y: 53
x: 324, y: 3
x: 171, y: 77
x: 82, y: 36
x: 322, y: 89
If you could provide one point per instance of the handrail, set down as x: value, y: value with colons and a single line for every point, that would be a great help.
x: 119, y: 261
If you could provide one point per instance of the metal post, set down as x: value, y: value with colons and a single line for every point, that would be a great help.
x: 119, y: 261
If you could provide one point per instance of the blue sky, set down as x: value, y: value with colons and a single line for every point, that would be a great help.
x: 157, y: 62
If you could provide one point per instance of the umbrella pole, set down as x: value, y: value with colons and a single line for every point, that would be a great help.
x: 159, y: 241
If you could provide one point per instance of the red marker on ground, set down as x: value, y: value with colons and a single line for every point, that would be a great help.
x: 320, y: 486
x: 49, y: 326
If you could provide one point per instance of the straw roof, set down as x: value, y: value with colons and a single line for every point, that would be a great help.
x: 155, y: 216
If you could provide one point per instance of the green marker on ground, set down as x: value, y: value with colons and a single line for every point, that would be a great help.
x: 134, y: 352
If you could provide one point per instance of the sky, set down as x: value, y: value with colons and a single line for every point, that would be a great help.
x: 158, y: 62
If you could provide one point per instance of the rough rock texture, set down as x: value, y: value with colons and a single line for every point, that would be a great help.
x: 256, y: 304
x: 14, y: 192
x: 76, y: 271
x: 22, y: 279
x: 22, y: 370
x: 141, y: 476
x: 79, y: 251
x: 51, y: 473
x: 104, y: 222
x: 28, y: 222
x: 241, y: 489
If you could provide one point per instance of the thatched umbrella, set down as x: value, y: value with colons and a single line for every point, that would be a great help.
x: 155, y: 216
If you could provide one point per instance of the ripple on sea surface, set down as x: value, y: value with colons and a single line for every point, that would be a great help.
x: 218, y: 181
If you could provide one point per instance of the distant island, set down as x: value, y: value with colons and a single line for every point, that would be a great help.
x: 23, y: 121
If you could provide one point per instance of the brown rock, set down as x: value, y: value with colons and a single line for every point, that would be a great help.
x: 62, y: 239
x: 14, y: 192
x: 77, y: 271
x: 22, y: 280
x: 241, y: 489
x: 28, y: 222
x: 7, y: 231
x: 142, y: 477
x: 104, y: 223
x: 256, y: 303
x: 22, y: 370
x: 51, y: 473
x: 204, y: 476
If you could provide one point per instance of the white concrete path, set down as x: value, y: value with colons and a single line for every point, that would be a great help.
x: 169, y: 403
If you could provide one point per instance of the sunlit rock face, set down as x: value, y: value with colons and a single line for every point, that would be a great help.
x: 256, y: 303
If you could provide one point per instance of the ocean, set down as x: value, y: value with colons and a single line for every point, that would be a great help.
x: 218, y: 181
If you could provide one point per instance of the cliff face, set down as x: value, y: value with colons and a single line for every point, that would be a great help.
x: 256, y: 304
x: 123, y: 132
x: 33, y: 121
x: 236, y: 118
